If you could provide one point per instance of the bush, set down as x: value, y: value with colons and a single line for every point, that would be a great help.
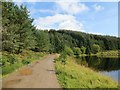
x: 12, y: 59
x: 25, y: 62
x: 96, y: 48
x: 83, y: 49
x: 68, y: 51
x: 62, y: 58
x: 77, y: 51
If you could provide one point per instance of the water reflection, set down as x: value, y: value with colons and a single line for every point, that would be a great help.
x: 113, y: 74
x: 100, y: 63
x: 107, y: 66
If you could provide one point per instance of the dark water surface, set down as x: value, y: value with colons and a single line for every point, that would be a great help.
x: 107, y: 66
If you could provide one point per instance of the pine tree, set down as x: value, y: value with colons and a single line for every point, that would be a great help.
x: 42, y: 41
x: 17, y: 28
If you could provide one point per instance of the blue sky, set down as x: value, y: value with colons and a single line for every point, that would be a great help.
x: 90, y: 17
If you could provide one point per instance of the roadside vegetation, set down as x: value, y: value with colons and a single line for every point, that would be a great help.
x: 11, y: 62
x: 72, y: 75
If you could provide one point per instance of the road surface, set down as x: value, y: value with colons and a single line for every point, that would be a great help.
x: 40, y: 74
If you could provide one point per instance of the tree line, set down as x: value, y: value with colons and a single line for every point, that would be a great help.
x: 19, y: 34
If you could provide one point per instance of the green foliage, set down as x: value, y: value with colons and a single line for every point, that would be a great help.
x: 11, y: 62
x: 88, y: 51
x: 17, y: 31
x: 62, y: 58
x: 77, y: 51
x: 68, y: 51
x: 83, y: 49
x: 12, y: 59
x: 10, y: 68
x: 42, y: 41
x: 61, y: 38
x: 25, y: 62
x: 110, y: 53
x: 96, y: 48
x: 57, y: 44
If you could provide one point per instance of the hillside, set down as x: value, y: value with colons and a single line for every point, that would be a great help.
x: 19, y: 34
x: 78, y: 39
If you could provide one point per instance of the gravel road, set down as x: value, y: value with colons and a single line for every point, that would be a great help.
x: 40, y: 74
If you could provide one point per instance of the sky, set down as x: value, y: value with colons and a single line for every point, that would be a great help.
x: 90, y: 17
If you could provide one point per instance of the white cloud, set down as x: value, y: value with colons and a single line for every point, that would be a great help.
x: 69, y: 25
x: 63, y: 18
x: 59, y: 21
x: 71, y: 7
x: 98, y: 7
x: 64, y: 7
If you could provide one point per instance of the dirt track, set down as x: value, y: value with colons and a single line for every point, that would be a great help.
x: 40, y: 74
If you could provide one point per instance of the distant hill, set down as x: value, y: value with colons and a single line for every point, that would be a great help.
x: 78, y: 39
x: 19, y: 34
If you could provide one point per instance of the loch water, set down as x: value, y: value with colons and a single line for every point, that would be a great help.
x: 106, y: 66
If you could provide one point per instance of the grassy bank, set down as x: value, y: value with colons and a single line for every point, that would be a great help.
x: 72, y: 75
x: 110, y: 53
x: 11, y: 62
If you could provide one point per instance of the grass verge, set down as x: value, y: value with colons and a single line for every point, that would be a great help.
x: 72, y: 75
x: 11, y: 62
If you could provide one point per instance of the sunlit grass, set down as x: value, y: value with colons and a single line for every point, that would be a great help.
x: 73, y: 75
